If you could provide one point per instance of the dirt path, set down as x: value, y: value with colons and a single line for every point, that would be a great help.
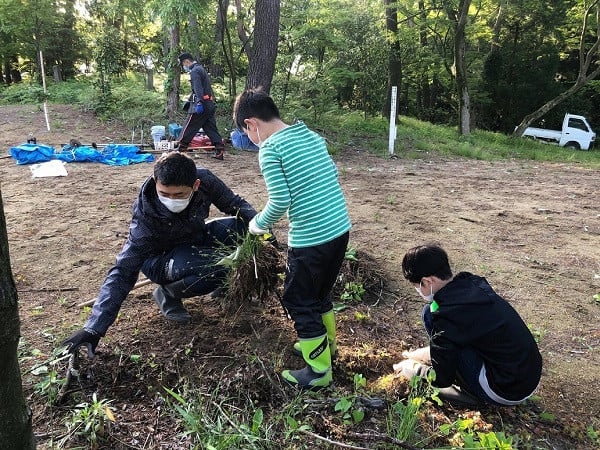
x: 532, y: 229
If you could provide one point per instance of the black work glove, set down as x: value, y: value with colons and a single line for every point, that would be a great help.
x: 87, y: 337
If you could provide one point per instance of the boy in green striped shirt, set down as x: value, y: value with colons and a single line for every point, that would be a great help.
x: 301, y: 180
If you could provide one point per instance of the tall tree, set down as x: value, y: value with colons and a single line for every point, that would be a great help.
x: 262, y: 49
x: 394, y: 60
x: 459, y: 67
x: 15, y: 417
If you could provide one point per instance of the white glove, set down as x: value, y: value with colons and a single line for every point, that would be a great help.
x: 421, y: 355
x: 254, y: 229
x: 409, y: 368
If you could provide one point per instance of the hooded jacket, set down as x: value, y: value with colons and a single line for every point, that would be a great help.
x: 472, y: 315
x: 154, y: 230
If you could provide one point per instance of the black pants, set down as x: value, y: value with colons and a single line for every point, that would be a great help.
x: 206, y: 121
x: 196, y: 264
x: 310, y: 275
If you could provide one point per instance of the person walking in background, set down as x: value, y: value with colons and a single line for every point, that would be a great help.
x: 301, y: 180
x: 480, y: 348
x: 201, y: 108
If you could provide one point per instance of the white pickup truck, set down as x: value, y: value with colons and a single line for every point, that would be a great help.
x: 576, y: 133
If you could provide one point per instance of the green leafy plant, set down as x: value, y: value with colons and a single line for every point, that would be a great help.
x: 350, y: 254
x: 213, y: 423
x: 596, y: 299
x: 347, y: 406
x: 353, y: 291
x: 47, y: 373
x: 91, y: 420
x: 464, y: 433
x: 403, y: 417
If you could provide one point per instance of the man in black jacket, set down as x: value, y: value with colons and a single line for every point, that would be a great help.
x: 171, y: 242
x: 478, y: 342
x: 201, y: 107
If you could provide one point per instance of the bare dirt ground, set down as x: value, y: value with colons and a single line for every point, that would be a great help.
x: 532, y: 229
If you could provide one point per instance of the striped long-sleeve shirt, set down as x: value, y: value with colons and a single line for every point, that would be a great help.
x: 302, y: 180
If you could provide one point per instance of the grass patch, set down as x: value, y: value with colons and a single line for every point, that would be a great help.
x: 131, y: 103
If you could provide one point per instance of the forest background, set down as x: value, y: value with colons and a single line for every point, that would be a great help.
x: 498, y: 61
x: 488, y: 65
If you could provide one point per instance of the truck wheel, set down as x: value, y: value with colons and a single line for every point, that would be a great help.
x: 572, y: 145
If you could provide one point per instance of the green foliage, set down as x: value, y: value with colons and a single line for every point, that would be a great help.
x: 348, y: 406
x: 22, y: 93
x: 403, y: 417
x: 464, y: 433
x: 47, y: 382
x: 353, y: 291
x: 90, y: 420
x: 596, y: 298
x: 214, y: 422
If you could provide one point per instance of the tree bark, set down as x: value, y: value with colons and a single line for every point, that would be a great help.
x: 174, y: 72
x: 264, y: 49
x: 394, y: 61
x: 15, y: 416
x: 460, y: 67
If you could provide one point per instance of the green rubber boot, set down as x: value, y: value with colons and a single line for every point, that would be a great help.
x: 329, y: 321
x: 317, y: 373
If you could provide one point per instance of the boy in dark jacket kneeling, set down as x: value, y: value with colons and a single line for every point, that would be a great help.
x: 480, y: 348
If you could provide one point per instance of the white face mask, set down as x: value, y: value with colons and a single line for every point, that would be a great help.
x: 260, y: 141
x: 429, y: 297
x: 175, y: 205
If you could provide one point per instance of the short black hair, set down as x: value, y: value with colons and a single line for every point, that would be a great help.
x: 175, y: 169
x: 254, y: 103
x: 424, y: 261
x: 184, y: 56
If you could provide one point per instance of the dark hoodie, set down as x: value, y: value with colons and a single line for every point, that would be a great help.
x: 155, y: 230
x: 472, y: 315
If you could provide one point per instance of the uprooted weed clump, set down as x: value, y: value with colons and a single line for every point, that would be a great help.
x: 258, y: 268
x: 256, y: 274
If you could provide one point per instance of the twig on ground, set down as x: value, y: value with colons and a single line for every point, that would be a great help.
x: 72, y: 371
x: 383, y: 437
x: 139, y: 284
x: 65, y: 289
x: 332, y: 442
x: 268, y: 375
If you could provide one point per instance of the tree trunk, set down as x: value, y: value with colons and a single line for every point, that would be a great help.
x: 174, y: 72
x: 149, y: 79
x: 227, y: 46
x: 460, y: 67
x: 264, y: 49
x: 394, y: 61
x: 15, y: 416
x: 57, y: 74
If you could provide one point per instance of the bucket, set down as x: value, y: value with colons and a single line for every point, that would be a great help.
x: 158, y: 133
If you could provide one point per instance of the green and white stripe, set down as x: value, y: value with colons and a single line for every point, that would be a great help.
x: 302, y: 180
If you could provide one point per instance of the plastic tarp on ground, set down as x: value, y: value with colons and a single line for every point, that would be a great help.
x: 32, y: 153
x: 241, y: 141
x: 112, y: 154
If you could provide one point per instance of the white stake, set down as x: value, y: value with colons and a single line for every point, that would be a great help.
x: 392, y: 137
x: 45, y: 91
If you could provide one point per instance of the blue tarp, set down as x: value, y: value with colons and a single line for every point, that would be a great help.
x: 32, y: 153
x: 241, y: 141
x: 112, y: 154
